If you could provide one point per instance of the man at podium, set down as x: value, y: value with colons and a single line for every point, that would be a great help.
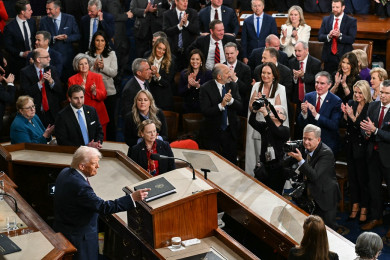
x: 77, y: 207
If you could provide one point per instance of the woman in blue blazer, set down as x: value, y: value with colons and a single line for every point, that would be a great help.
x: 27, y: 127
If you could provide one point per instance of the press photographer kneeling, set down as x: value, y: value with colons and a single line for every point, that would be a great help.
x: 318, y: 170
x: 273, y: 136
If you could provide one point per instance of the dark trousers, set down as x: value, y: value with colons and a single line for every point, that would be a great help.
x: 332, y: 64
x: 110, y: 103
x: 381, y: 10
x: 329, y: 216
x: 376, y: 173
x: 224, y: 144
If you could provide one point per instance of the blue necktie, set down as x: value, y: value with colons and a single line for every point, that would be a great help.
x: 180, y: 40
x: 83, y: 127
x: 258, y: 26
x: 224, y: 112
x: 55, y: 27
x: 26, y: 40
x: 95, y: 26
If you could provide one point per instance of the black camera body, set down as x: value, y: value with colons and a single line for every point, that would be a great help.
x: 291, y: 146
x: 259, y: 103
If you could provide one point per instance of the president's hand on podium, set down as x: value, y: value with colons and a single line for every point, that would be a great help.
x: 140, y: 194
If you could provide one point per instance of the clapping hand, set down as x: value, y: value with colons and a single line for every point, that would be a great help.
x: 48, y: 131
x: 226, y: 99
x: 93, y: 89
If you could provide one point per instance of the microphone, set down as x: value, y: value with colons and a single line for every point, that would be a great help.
x: 157, y: 157
x: 15, y: 203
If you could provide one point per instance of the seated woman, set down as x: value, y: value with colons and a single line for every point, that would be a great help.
x: 368, y: 246
x: 364, y: 70
x: 346, y: 76
x: 144, y: 108
x: 314, y: 244
x: 163, y: 71
x: 141, y: 152
x: 295, y: 29
x: 191, y: 79
x: 378, y: 75
x: 95, y: 92
x: 273, y: 136
x: 27, y: 127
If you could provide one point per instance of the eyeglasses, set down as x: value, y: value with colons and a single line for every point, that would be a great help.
x: 29, y: 108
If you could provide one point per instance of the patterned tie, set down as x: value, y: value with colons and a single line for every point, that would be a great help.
x: 224, y: 112
x: 180, y: 40
x: 95, y: 26
x: 301, y: 87
x: 258, y: 27
x: 318, y: 105
x: 217, y: 57
x: 45, y: 103
x: 83, y: 127
x: 88, y: 182
x: 55, y: 27
x: 216, y: 15
x: 26, y: 40
x: 334, y: 40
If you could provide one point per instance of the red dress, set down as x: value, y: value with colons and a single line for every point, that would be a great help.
x: 91, y: 100
x: 3, y: 16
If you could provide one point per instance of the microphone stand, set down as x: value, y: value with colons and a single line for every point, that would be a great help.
x: 193, y: 170
x: 15, y: 203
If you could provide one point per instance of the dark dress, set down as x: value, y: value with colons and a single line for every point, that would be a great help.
x: 292, y: 255
x: 350, y: 82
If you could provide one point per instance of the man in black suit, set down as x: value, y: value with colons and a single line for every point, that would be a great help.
x: 223, y: 13
x: 142, y: 73
x: 377, y: 129
x: 181, y: 24
x: 337, y: 32
x: 208, y: 44
x: 285, y: 74
x: 41, y: 82
x: 240, y: 73
x: 319, y: 171
x: 271, y: 41
x: 78, y: 124
x: 220, y: 102
x: 94, y: 21
x: 19, y: 36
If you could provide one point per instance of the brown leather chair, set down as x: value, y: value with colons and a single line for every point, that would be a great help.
x: 172, y: 119
x: 192, y: 122
x: 315, y: 49
x: 178, y: 104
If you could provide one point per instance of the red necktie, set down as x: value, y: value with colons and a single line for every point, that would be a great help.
x: 216, y: 15
x: 381, y: 117
x: 45, y: 103
x: 217, y: 58
x: 301, y: 87
x: 334, y: 40
x: 318, y: 105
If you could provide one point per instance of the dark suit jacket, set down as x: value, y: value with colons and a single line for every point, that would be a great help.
x: 7, y: 95
x: 107, y: 25
x: 29, y: 84
x: 210, y: 97
x: 382, y: 138
x: 129, y: 92
x: 314, y: 6
x: 229, y: 20
x: 162, y: 89
x: 189, y: 33
x: 55, y: 60
x: 68, y: 130
x: 257, y: 55
x: 285, y: 77
x: 313, y: 66
x: 249, y: 40
x: 138, y: 154
x: 77, y: 208
x: 330, y: 114
x: 348, y: 28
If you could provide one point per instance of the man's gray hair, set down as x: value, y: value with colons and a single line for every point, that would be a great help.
x: 312, y: 128
x: 230, y: 44
x: 78, y: 58
x: 95, y: 2
x: 324, y: 74
x: 368, y: 245
x: 57, y: 3
x: 136, y: 66
x: 84, y: 154
x: 283, y: 110
x: 216, y: 70
x: 305, y: 45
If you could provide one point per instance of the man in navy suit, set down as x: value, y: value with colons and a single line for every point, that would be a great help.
x: 94, y: 21
x: 322, y: 108
x: 64, y: 31
x: 337, y: 32
x: 256, y: 28
x: 78, y: 124
x: 19, y: 36
x: 77, y: 207
x: 223, y: 13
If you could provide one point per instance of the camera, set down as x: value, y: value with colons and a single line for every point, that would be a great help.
x: 291, y: 146
x: 259, y: 103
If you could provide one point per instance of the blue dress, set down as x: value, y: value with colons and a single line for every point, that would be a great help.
x: 22, y: 131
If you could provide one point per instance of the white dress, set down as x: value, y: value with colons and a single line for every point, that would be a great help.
x: 253, y: 138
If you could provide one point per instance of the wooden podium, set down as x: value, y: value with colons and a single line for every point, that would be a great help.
x: 191, y: 212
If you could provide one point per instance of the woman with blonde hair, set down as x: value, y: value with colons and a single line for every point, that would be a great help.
x: 378, y: 75
x: 363, y: 64
x: 295, y: 29
x: 314, y: 244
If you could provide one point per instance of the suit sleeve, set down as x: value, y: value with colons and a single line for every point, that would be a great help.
x: 244, y: 39
x: 193, y: 26
x: 7, y: 93
x: 237, y: 105
x: 74, y: 33
x: 108, y: 25
x: 61, y: 131
x: 101, y: 93
x: 29, y: 87
x: 315, y: 67
x: 274, y: 28
x: 99, y: 135
x: 169, y: 27
x: 333, y: 121
x: 207, y: 107
x: 112, y: 69
x: 164, y: 128
x: 9, y: 41
x: 349, y: 36
x: 234, y: 23
x: 202, y: 19
x: 321, y: 167
x: 323, y: 33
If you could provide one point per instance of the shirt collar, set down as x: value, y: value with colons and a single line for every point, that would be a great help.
x: 234, y: 64
x: 261, y: 16
x: 19, y: 20
x: 340, y: 17
x: 323, y: 96
x: 140, y: 82
x: 82, y: 174
x: 77, y: 109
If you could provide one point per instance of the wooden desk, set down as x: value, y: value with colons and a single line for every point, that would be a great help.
x: 43, y: 242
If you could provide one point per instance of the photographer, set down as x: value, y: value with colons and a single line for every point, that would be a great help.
x: 319, y: 172
x: 273, y: 134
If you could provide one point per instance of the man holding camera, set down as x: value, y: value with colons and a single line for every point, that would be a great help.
x: 318, y: 170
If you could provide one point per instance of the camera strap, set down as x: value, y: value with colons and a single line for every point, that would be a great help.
x: 275, y: 113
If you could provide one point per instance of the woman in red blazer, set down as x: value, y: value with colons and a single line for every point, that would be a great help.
x: 3, y: 16
x: 95, y: 92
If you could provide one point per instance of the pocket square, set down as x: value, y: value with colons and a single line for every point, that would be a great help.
x: 66, y: 28
x: 92, y: 122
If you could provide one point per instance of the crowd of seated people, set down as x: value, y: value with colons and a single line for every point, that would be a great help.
x: 196, y: 54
